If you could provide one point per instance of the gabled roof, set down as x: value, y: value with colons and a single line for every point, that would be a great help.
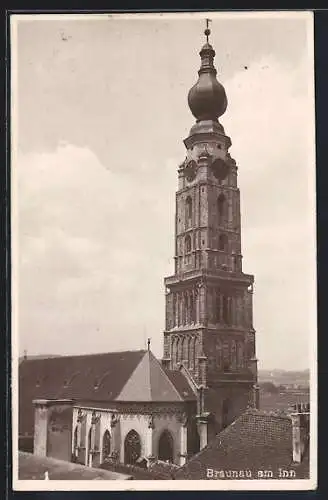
x: 256, y: 441
x: 92, y: 377
x: 149, y: 383
x: 128, y: 376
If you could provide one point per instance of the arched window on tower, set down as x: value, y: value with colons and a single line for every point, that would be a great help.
x: 188, y: 211
x: 190, y: 352
x: 219, y: 354
x: 233, y: 354
x: 182, y: 349
x: 240, y: 355
x: 192, y: 308
x: 222, y: 209
x: 194, y: 353
x: 223, y: 242
x: 177, y: 351
x: 185, y: 309
x: 187, y: 244
x: 226, y: 310
x: 217, y: 315
x: 226, y: 356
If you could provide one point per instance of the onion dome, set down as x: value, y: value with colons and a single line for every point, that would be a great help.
x: 207, y: 98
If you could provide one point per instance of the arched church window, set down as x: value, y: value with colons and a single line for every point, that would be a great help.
x: 194, y: 352
x: 233, y: 354
x: 190, y: 352
x: 106, y: 443
x: 192, y: 308
x: 182, y: 349
x: 223, y: 242
x: 187, y: 244
x: 83, y: 431
x: 226, y: 357
x: 165, y: 446
x: 132, y: 447
x: 75, y: 441
x: 219, y: 354
x: 177, y: 349
x: 222, y: 208
x: 217, y: 308
x: 188, y: 211
x: 185, y: 309
x: 240, y: 355
x: 226, y: 309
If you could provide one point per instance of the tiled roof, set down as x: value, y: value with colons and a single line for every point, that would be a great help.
x: 89, y: 377
x: 181, y: 384
x: 254, y: 442
x: 34, y: 467
x: 149, y: 383
x: 129, y: 376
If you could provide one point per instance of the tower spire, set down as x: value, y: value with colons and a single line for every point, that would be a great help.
x: 207, y: 31
x: 207, y: 98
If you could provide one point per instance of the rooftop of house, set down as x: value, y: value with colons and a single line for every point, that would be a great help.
x: 255, y: 442
x: 35, y: 467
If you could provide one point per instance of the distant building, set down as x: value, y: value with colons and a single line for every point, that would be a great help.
x: 127, y: 406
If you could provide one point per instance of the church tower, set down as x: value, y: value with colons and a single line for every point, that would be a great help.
x: 209, y: 321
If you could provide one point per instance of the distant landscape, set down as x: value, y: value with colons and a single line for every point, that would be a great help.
x: 285, y: 377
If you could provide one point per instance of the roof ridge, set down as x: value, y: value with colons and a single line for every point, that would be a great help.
x: 65, y: 356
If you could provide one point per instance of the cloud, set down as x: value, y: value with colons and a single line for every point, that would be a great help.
x: 269, y: 119
x: 93, y: 251
x: 96, y: 231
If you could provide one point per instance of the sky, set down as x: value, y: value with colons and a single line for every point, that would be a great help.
x: 99, y: 117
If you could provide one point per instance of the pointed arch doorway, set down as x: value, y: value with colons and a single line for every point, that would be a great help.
x: 165, y: 447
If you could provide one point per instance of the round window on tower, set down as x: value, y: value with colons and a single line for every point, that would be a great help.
x: 220, y: 169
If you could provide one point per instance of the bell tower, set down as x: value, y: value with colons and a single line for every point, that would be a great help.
x: 209, y: 321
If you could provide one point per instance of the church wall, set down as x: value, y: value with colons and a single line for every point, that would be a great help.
x: 172, y: 424
x: 104, y: 425
x: 139, y: 423
x: 149, y: 429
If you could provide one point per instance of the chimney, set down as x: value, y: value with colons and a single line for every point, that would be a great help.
x: 300, y: 415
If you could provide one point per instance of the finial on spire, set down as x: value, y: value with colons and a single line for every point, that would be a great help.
x: 207, y: 31
x: 148, y: 344
x: 207, y: 98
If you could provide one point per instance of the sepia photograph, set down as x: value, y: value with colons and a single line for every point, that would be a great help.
x: 163, y: 239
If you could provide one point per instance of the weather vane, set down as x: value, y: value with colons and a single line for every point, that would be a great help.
x: 207, y: 31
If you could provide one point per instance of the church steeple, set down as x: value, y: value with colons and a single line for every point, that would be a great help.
x: 207, y: 98
x: 209, y: 321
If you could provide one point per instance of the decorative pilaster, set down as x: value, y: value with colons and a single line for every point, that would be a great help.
x: 202, y: 424
x: 149, y: 437
x: 183, y: 420
x: 115, y: 436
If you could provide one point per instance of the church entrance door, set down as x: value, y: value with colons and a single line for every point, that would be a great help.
x: 132, y: 447
x: 165, y: 447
